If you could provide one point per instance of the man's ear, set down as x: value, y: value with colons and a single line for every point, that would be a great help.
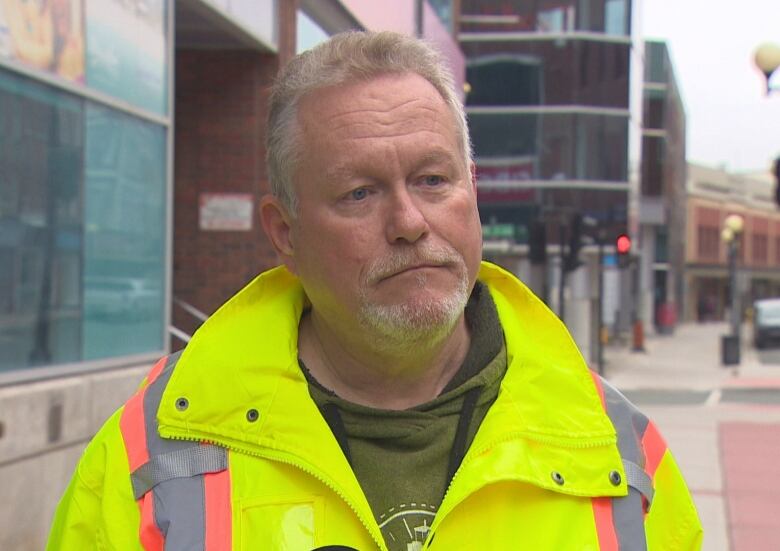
x: 277, y: 223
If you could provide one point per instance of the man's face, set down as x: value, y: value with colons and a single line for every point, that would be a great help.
x: 387, y: 234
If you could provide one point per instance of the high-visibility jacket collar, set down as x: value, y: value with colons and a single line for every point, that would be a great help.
x: 546, y: 428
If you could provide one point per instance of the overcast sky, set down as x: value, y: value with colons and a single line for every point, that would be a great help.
x: 730, y: 120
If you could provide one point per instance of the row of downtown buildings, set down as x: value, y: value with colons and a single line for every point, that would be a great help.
x: 131, y: 155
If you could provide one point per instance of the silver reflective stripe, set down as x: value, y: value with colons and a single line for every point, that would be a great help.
x: 179, y: 503
x: 182, y: 463
x: 628, y: 513
x: 636, y: 477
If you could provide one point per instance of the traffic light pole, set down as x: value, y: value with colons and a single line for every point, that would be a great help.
x: 600, y: 311
x: 562, y: 282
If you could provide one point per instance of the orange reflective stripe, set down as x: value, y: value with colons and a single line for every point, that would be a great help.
x: 132, y: 424
x: 605, y: 525
x: 599, y: 388
x: 219, y: 515
x: 156, y: 370
x: 654, y: 447
x: 133, y: 427
x: 149, y: 533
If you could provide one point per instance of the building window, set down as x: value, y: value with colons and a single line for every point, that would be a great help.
x: 708, y: 243
x: 615, y: 17
x: 504, y: 79
x: 124, y: 235
x: 760, y: 248
x: 443, y: 9
x: 126, y: 52
x: 605, y: 16
x: 550, y: 146
x: 655, y: 103
x: 777, y: 250
x: 653, y: 153
x: 655, y: 62
x: 662, y: 244
x: 82, y: 228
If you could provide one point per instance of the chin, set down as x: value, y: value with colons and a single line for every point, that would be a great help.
x: 419, y: 320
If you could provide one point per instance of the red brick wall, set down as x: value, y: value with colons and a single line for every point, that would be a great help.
x: 221, y: 99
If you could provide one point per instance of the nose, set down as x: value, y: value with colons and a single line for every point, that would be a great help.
x: 405, y: 222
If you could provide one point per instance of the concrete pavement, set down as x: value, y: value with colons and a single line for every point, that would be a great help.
x: 721, y: 423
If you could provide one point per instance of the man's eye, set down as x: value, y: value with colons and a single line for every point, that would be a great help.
x: 358, y: 194
x: 433, y: 181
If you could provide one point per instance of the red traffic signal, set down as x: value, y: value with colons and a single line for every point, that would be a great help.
x: 623, y: 244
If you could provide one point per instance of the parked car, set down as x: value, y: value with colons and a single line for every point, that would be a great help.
x: 766, y: 321
x: 121, y: 298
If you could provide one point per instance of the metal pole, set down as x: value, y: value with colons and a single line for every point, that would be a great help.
x: 600, y: 311
x: 418, y: 18
x: 733, y: 294
x: 562, y: 282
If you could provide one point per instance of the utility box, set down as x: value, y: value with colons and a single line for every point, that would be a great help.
x: 729, y: 350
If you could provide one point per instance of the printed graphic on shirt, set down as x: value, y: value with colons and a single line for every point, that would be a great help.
x: 406, y: 526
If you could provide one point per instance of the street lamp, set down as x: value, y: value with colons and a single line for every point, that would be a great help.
x: 732, y: 228
x: 767, y: 58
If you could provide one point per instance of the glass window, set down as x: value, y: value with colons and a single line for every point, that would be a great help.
x: 655, y: 62
x: 443, y: 9
x: 615, y: 17
x: 308, y: 33
x: 662, y: 244
x: 607, y: 16
x: 82, y: 229
x: 655, y: 103
x: 504, y: 79
x: 550, y: 146
x: 126, y: 51
x: 548, y: 72
x: 124, y: 234
x: 653, y: 161
x: 41, y: 147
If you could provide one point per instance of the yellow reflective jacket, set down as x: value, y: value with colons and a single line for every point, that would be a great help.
x: 544, y: 470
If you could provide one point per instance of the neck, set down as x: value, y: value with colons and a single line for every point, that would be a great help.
x: 351, y: 365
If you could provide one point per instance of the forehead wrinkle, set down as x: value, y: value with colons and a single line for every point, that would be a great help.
x: 384, y: 117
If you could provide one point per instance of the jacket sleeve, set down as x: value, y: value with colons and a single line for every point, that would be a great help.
x: 672, y: 522
x: 97, y: 510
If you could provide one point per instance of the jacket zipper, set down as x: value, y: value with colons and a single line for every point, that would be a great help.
x: 298, y: 465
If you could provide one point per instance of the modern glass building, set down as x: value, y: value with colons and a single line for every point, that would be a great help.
x: 662, y: 191
x: 550, y: 103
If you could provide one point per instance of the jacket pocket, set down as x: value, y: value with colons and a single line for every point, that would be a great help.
x: 281, y: 524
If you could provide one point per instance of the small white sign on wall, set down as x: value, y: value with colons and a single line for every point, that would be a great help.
x: 226, y: 211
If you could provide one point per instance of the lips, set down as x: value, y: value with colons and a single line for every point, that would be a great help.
x: 400, y: 261
x: 410, y: 268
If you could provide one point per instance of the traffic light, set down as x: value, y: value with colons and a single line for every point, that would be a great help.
x: 623, y: 249
x: 572, y: 260
x: 537, y: 243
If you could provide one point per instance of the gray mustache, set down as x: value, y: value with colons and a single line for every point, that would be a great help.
x: 404, y: 259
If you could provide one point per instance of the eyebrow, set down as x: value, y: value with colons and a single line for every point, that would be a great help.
x: 339, y: 173
x: 438, y: 156
x: 347, y: 171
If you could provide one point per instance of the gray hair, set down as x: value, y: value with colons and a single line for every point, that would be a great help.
x: 346, y: 58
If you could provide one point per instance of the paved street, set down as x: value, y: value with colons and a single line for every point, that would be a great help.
x: 723, y: 425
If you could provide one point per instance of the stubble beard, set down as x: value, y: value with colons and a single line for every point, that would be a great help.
x: 418, y: 322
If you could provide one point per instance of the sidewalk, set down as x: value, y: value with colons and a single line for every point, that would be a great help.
x: 726, y: 451
x: 689, y: 359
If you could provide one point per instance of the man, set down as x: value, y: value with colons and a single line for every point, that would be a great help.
x: 383, y: 389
